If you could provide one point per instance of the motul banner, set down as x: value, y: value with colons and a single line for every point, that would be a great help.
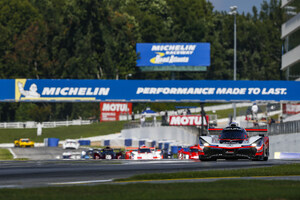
x: 291, y: 108
x: 187, y: 120
x: 110, y: 111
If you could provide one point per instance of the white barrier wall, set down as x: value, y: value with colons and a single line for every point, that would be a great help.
x: 176, y: 134
x: 284, y: 143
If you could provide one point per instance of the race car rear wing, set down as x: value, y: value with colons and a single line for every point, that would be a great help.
x: 247, y: 129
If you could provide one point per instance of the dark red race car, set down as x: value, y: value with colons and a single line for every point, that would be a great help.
x: 106, y: 153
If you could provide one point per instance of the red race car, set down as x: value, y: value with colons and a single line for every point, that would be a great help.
x: 192, y: 153
x: 143, y: 153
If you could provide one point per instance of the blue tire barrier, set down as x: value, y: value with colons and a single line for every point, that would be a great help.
x: 160, y: 145
x: 141, y: 142
x: 128, y: 142
x: 84, y: 142
x: 53, y: 142
x: 106, y: 142
x: 174, y: 149
x: 166, y: 146
x: 153, y: 143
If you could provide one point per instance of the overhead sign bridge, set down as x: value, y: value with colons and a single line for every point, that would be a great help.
x: 65, y: 90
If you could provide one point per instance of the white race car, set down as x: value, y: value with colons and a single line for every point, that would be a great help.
x: 143, y: 153
x: 234, y: 143
x: 71, y: 144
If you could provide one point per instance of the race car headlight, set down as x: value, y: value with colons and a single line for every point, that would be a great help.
x: 206, y: 144
x: 257, y: 143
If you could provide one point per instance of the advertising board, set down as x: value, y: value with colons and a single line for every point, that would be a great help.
x: 173, y: 54
x: 187, y: 120
x: 60, y: 90
x: 111, y: 111
x: 291, y: 108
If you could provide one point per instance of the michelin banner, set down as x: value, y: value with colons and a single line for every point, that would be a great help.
x: 173, y: 54
x: 147, y: 90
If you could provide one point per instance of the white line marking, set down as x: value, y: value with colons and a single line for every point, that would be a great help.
x: 8, y: 186
x: 13, y: 153
x: 81, y: 182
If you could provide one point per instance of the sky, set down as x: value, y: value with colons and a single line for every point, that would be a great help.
x: 243, y: 5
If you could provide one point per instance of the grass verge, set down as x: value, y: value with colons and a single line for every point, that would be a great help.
x: 225, y: 189
x: 5, y: 154
x: 70, y: 132
x: 291, y: 169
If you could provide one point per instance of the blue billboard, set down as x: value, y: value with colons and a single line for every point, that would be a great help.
x: 62, y: 90
x: 173, y: 54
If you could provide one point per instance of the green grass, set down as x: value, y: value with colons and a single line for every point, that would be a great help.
x: 291, y: 169
x: 70, y: 132
x: 229, y: 189
x: 5, y: 154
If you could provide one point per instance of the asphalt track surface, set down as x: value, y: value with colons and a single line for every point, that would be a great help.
x: 44, y: 173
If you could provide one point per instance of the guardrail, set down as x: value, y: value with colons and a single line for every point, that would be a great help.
x: 283, y: 128
x: 31, y: 124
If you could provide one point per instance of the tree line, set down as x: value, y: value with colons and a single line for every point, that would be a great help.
x: 96, y: 39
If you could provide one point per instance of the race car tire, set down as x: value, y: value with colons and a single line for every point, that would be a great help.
x: 266, y: 157
x: 97, y: 157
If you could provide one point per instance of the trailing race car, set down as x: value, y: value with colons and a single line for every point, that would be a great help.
x: 71, y: 155
x: 106, y: 153
x: 143, y: 153
x: 23, y: 142
x: 234, y: 143
x: 192, y: 153
x: 71, y: 144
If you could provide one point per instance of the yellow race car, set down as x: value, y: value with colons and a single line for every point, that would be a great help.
x: 24, y: 142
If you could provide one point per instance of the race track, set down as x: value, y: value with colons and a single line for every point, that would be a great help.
x: 43, y: 173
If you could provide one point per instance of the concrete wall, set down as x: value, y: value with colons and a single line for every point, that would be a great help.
x: 284, y: 143
x: 278, y: 143
x: 177, y: 135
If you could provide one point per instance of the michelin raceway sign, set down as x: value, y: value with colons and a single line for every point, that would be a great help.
x: 63, y: 90
x: 173, y: 54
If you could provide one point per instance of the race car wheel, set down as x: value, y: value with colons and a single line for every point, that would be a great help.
x: 266, y: 157
x: 97, y: 157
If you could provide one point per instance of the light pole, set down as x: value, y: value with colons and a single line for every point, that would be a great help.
x: 127, y: 75
x: 233, y: 11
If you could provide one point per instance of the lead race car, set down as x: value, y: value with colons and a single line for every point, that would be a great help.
x: 234, y: 143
